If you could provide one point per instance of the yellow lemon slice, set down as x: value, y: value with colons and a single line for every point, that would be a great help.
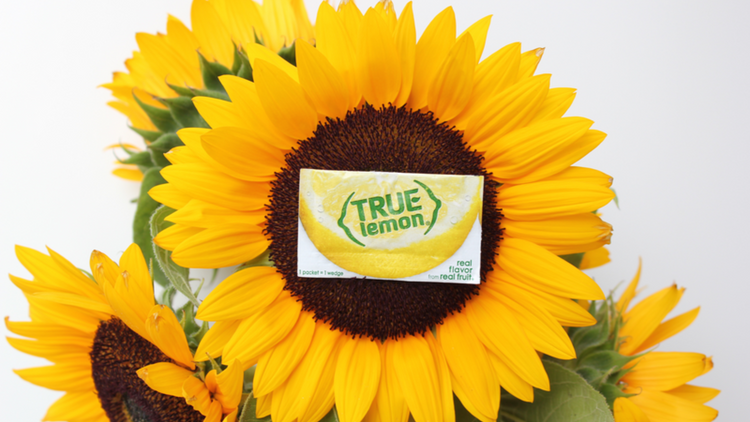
x: 388, y: 225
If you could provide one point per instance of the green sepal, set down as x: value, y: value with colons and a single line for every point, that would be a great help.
x: 289, y: 54
x: 211, y: 72
x: 187, y: 318
x: 167, y: 296
x: 605, y: 361
x: 175, y: 274
x: 160, y: 117
x: 573, y: 259
x: 142, y: 158
x: 212, y: 94
x: 149, y: 135
x: 237, y: 62
x: 245, y: 69
x: 262, y: 260
x: 141, y: 226
x: 181, y: 90
x: 184, y: 112
x: 611, y: 392
x: 166, y: 142
x: 248, y: 411
x: 570, y: 398
x: 198, y: 335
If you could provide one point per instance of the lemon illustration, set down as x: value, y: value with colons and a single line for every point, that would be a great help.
x: 388, y: 225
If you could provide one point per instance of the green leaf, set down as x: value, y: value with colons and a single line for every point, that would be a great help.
x: 161, y: 118
x: 248, y: 411
x: 177, y: 275
x: 141, y: 227
x: 148, y: 135
x: 570, y: 399
x: 574, y: 259
x: 184, y: 112
x: 211, y: 72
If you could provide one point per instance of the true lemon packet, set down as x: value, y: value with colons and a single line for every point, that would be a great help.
x: 394, y: 226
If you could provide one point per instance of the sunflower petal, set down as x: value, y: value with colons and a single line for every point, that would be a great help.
x: 221, y: 246
x: 167, y: 194
x: 164, y: 377
x: 321, y: 82
x: 627, y: 411
x: 240, y: 151
x: 478, y: 31
x: 510, y: 381
x: 242, y: 295
x: 166, y: 333
x: 659, y: 406
x: 417, y: 376
x: 76, y: 406
x: 450, y: 91
x: 378, y: 61
x: 662, y: 371
x: 562, y: 235
x: 357, y: 375
x: 432, y: 49
x: 215, y: 40
x: 338, y: 48
x: 549, y: 199
x: 406, y: 37
x: 641, y: 321
x: 389, y: 403
x: 212, y: 344
x: 694, y: 393
x: 668, y: 329
x: 72, y: 377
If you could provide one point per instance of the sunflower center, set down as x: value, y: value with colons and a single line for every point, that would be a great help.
x: 117, y: 354
x: 389, y: 139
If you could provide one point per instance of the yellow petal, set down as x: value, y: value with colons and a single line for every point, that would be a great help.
x: 260, y: 333
x: 229, y: 388
x: 566, y: 311
x: 218, y: 113
x: 641, y: 321
x: 476, y: 387
x: 251, y: 113
x: 93, y: 307
x: 662, y: 371
x: 668, y: 329
x: 444, y: 378
x: 132, y: 313
x: 275, y: 366
x: 221, y: 246
x: 505, y: 112
x: 244, y: 21
x: 197, y: 395
x: 167, y: 334
x: 138, y: 282
x: 549, y: 199
x: 510, y: 381
x: 541, y: 150
x: 562, y: 235
x: 321, y: 82
x: 309, y: 389
x: 75, y: 377
x: 378, y: 61
x: 166, y: 61
x: 558, y: 101
x: 204, y: 215
x: 544, y: 332
x: 238, y: 150
x: 595, y: 258
x: 58, y: 350
x: 540, y: 268
x: 529, y: 61
x: 37, y: 330
x: 171, y: 237
x: 417, y: 376
x: 357, y: 375
x: 56, y: 272
x: 432, y: 49
x: 242, y: 295
x: 627, y: 411
x: 624, y: 302
x: 450, y: 91
x: 258, y: 52
x: 201, y: 181
x: 694, y: 393
x: 333, y: 41
x: 212, y: 344
x: 167, y: 194
x: 389, y: 403
x: 216, y: 43
x: 582, y: 174
x: 133, y: 174
x: 164, y: 377
x: 82, y: 406
x: 665, y: 407
x: 284, y: 101
x: 406, y: 38
x: 497, y: 328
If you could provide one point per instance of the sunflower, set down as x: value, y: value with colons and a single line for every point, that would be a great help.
x: 658, y: 381
x: 369, y: 97
x: 167, y: 62
x: 97, y: 334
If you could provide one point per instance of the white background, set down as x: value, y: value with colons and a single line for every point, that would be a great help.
x: 667, y: 80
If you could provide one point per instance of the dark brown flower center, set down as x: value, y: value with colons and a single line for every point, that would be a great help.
x: 387, y: 140
x: 118, y: 352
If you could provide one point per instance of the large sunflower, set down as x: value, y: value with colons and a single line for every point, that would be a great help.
x: 219, y: 27
x: 369, y: 97
x: 658, y: 381
x: 98, y: 334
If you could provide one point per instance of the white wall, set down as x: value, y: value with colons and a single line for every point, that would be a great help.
x: 665, y: 79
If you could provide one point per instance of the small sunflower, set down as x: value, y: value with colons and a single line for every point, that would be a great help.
x: 658, y: 381
x: 164, y: 63
x: 98, y: 334
x: 369, y: 97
